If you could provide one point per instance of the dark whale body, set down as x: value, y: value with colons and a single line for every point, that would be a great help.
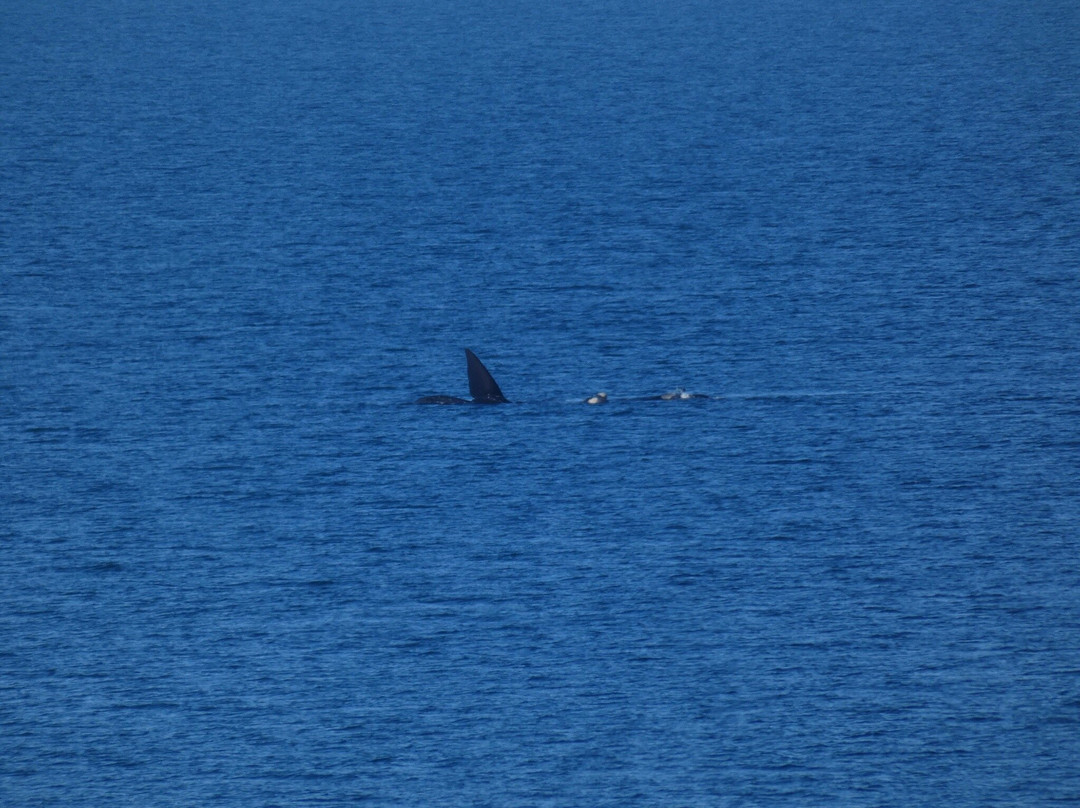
x: 442, y: 400
x: 482, y: 386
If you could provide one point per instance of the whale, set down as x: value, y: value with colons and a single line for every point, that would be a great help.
x: 485, y: 390
x: 678, y: 394
x: 482, y: 386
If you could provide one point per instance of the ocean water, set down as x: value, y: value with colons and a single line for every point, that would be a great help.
x: 240, y: 567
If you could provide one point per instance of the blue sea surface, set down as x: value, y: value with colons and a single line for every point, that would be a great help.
x: 239, y: 567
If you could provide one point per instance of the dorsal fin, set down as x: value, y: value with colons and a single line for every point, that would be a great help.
x: 482, y: 386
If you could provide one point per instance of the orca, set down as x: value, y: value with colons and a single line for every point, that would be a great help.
x: 482, y: 386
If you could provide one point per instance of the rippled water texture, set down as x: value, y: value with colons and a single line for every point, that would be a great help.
x: 240, y: 568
